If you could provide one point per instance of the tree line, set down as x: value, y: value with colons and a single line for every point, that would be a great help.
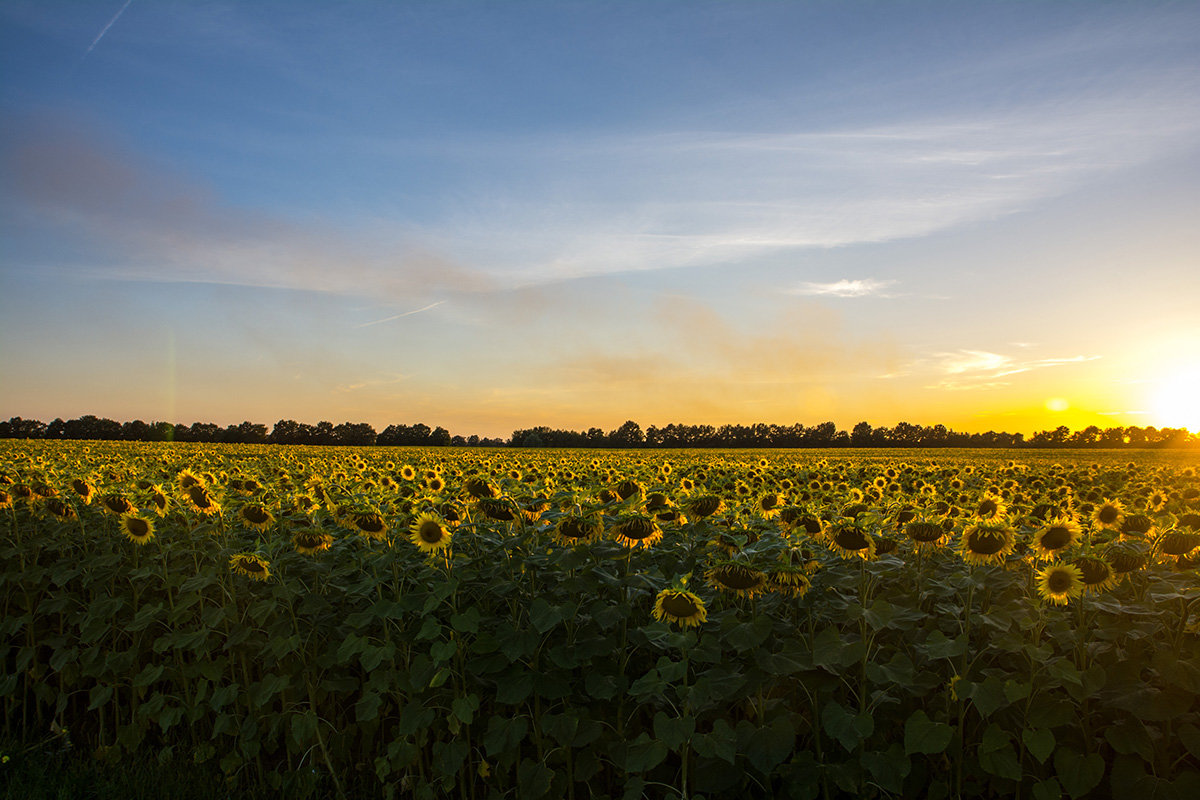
x: 630, y: 434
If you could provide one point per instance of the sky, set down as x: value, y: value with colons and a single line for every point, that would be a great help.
x: 495, y: 215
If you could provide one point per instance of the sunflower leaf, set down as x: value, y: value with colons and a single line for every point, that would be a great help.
x: 1039, y: 742
x: 1078, y: 773
x: 923, y: 735
x: 847, y: 728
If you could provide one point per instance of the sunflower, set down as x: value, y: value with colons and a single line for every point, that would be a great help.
x: 251, y: 565
x: 627, y: 489
x: 1136, y: 526
x: 137, y: 529
x: 308, y: 542
x: 1052, y: 539
x: 1178, y: 543
x: 407, y: 473
x: 769, y: 505
x: 705, y: 505
x: 254, y: 515
x: 117, y: 504
x: 479, y: 488
x: 578, y: 530
x: 497, y: 509
x: 926, y: 535
x: 60, y: 509
x: 370, y: 524
x: 987, y: 543
x: 637, y: 530
x: 1059, y: 583
x: 1108, y: 515
x: 6, y: 499
x: 187, y: 479
x: 680, y: 605
x: 788, y: 580
x: 1096, y: 574
x: 430, y: 534
x: 737, y: 579
x: 1127, y: 556
x: 851, y: 541
x: 202, y: 500
x: 83, y: 490
x: 990, y: 506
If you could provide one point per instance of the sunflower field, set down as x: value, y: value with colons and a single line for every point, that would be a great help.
x: 477, y: 624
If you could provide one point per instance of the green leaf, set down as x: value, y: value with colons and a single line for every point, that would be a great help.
x: 720, y: 743
x: 989, y: 696
x: 544, y: 616
x: 560, y: 727
x: 770, y: 746
x: 1077, y: 773
x: 889, y: 768
x: 467, y: 621
x: 533, y: 779
x: 504, y: 735
x: 464, y: 708
x: 1049, y: 789
x: 515, y: 689
x: 1129, y: 737
x: 936, y: 646
x: 149, y: 674
x: 1039, y: 742
x: 644, y: 753
x: 673, y: 731
x: 98, y: 696
x: 847, y: 728
x: 439, y: 677
x: 367, y: 708
x: 923, y: 735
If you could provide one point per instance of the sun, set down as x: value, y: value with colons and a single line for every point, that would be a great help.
x: 1176, y: 401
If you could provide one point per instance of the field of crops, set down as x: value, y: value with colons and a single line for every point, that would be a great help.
x: 603, y: 624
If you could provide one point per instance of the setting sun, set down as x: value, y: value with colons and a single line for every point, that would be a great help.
x: 1176, y: 401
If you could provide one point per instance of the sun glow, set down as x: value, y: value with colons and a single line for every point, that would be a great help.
x: 1176, y: 401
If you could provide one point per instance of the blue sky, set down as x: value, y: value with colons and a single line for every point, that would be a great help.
x: 494, y: 215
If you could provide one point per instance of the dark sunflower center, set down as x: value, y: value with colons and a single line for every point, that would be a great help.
x: 1094, y: 570
x: 738, y: 578
x: 706, y: 506
x: 924, y: 532
x: 137, y: 527
x: 371, y: 523
x: 256, y: 514
x: 252, y: 566
x: 637, y: 529
x: 679, y: 605
x: 1056, y: 538
x: 852, y: 539
x: 199, y: 496
x: 1108, y: 515
x: 988, y: 508
x: 1059, y: 581
x: 431, y: 532
x: 986, y: 543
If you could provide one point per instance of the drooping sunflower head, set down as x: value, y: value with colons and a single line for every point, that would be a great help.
x: 789, y: 581
x: 573, y: 529
x: 256, y: 516
x: 1127, y: 556
x: 201, y: 499
x: 926, y: 535
x: 59, y: 509
x: 251, y: 565
x: 430, y: 533
x: 705, y: 505
x: 159, y: 501
x: 187, y: 479
x: 309, y: 542
x: 137, y: 529
x: 1059, y: 583
x: 1178, y: 543
x: 769, y: 505
x: 628, y: 488
x: 1054, y: 538
x: 1135, y: 526
x: 851, y: 541
x: 681, y: 606
x: 637, y: 530
x: 117, y: 504
x: 370, y: 523
x: 987, y: 543
x: 1096, y: 573
x: 497, y: 508
x: 737, y: 579
x: 84, y: 490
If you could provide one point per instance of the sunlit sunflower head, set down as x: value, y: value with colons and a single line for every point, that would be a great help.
x: 769, y: 505
x: 435, y: 484
x: 201, y: 500
x: 407, y: 473
x: 628, y: 488
x: 84, y: 490
x: 137, y: 529
x: 370, y: 523
x: 637, y: 530
x: 159, y: 502
x: 850, y: 541
x: 187, y: 479
x: 737, y: 579
x: 430, y: 533
x: 990, y: 506
x: 1095, y: 573
x: 705, y: 505
x: 680, y: 606
x: 1108, y: 515
x: 1059, y: 583
x: 987, y: 543
x: 1056, y: 537
x: 254, y: 515
x: 251, y: 565
x: 309, y: 542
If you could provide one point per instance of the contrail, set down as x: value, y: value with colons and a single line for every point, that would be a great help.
x: 398, y: 316
x: 104, y: 30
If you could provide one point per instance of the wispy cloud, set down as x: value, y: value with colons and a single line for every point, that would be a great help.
x: 399, y: 316
x: 104, y: 30
x: 373, y: 383
x: 980, y: 369
x: 846, y: 288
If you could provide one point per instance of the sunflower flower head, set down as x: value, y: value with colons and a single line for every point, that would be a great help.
x: 1059, y: 583
x: 987, y: 543
x: 637, y: 530
x: 137, y: 529
x: 251, y: 565
x: 681, y: 606
x: 430, y: 534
